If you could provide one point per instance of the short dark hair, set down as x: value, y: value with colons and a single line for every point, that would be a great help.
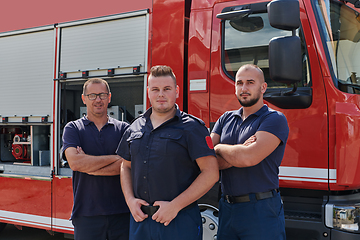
x: 162, y: 71
x: 248, y: 66
x: 252, y: 66
x: 95, y: 80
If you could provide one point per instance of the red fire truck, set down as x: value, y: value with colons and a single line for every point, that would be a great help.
x: 48, y: 49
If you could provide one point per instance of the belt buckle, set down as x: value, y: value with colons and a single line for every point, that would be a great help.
x: 227, y: 198
x: 149, y: 210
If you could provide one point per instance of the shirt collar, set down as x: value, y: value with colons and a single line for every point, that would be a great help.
x: 177, y: 113
x: 263, y: 109
x: 239, y: 112
x: 87, y: 121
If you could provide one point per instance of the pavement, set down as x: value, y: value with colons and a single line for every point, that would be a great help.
x: 12, y: 233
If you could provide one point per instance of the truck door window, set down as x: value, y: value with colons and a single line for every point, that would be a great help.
x: 247, y: 41
x: 340, y: 27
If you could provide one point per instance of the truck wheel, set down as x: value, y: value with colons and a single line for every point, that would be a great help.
x: 209, y: 209
x: 209, y: 216
x: 2, y: 226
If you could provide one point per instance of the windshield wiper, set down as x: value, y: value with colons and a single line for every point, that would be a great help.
x: 356, y: 3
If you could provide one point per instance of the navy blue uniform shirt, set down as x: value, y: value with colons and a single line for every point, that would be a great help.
x: 233, y: 130
x: 163, y: 159
x: 95, y: 195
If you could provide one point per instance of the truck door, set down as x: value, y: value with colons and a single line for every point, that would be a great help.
x: 246, y: 41
x: 26, y: 103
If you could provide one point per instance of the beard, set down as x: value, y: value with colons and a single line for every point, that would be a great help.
x: 250, y: 102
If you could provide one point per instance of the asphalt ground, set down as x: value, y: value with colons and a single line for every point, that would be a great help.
x: 12, y: 233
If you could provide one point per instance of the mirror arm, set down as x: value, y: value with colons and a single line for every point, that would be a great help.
x: 291, y: 92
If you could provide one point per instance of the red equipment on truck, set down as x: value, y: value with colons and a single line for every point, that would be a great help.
x: 308, y: 49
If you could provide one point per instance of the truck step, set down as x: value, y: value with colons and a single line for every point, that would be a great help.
x: 303, y: 215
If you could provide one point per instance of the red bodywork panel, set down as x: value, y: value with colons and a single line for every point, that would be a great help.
x: 166, y: 46
x: 28, y: 14
x: 347, y: 144
x: 62, y: 202
x: 29, y: 196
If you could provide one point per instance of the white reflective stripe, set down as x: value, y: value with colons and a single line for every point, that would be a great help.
x: 36, y: 220
x: 198, y: 85
x: 64, y: 224
x: 307, y: 180
x: 24, y: 218
x: 307, y: 174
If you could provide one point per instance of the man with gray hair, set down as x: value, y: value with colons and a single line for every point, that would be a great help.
x: 99, y: 210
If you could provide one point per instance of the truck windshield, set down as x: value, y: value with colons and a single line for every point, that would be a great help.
x: 247, y: 41
x: 341, y: 29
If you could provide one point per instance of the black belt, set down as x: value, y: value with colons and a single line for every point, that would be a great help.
x: 246, y: 198
x: 151, y: 210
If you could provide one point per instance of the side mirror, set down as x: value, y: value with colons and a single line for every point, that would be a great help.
x: 285, y: 58
x: 284, y: 14
x: 285, y: 61
x: 285, y: 52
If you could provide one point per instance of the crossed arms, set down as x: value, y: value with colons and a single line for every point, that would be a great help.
x: 105, y: 165
x: 252, y: 152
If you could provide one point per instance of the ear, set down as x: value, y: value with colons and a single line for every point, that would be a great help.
x: 263, y: 87
x: 83, y: 98
x: 177, y: 91
x: 109, y: 97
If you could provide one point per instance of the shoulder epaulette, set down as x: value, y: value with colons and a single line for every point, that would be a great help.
x: 197, y: 119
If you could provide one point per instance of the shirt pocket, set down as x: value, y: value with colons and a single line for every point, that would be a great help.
x: 134, y: 141
x: 170, y: 141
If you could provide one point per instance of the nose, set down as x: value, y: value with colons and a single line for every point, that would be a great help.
x: 161, y: 92
x: 97, y: 98
x: 244, y: 87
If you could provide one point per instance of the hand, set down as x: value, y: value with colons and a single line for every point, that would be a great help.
x: 79, y: 150
x: 166, y: 213
x: 135, y: 209
x: 222, y: 163
x: 250, y: 140
x: 216, y: 149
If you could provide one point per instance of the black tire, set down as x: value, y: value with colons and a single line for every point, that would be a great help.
x: 2, y: 226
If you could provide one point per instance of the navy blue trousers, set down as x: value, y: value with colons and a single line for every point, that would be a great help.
x: 254, y: 220
x: 186, y: 225
x: 110, y: 227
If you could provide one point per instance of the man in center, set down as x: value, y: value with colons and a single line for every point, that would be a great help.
x: 169, y: 164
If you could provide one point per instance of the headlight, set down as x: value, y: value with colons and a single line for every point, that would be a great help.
x: 343, y: 217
